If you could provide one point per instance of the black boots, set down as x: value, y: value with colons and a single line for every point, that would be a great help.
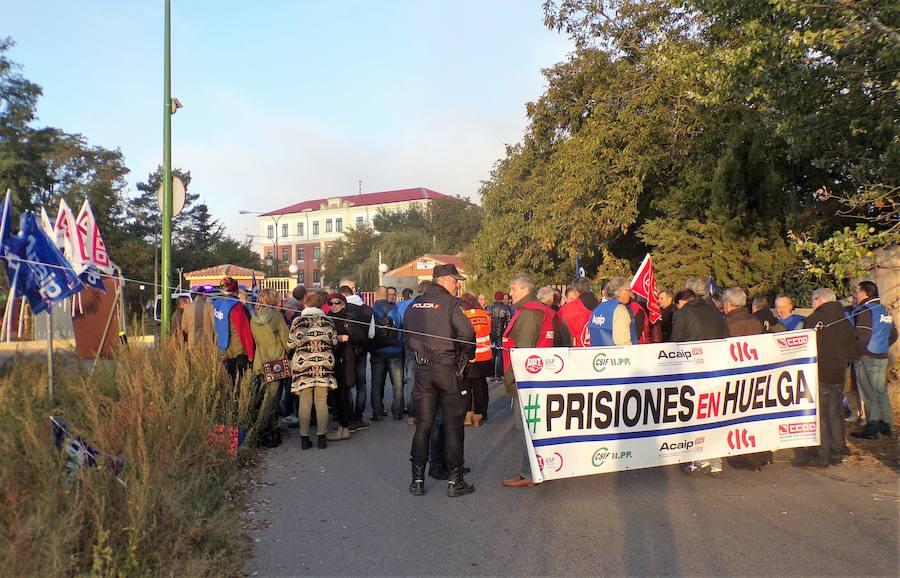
x: 417, y: 486
x: 305, y: 444
x: 322, y: 444
x: 869, y: 432
x: 457, y: 485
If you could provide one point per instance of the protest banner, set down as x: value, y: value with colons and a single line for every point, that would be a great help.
x: 604, y: 409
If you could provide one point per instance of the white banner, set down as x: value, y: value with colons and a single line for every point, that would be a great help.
x: 605, y: 409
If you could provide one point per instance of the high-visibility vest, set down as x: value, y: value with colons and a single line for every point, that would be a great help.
x: 481, y: 321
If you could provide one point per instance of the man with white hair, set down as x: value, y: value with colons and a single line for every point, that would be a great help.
x: 612, y: 323
x: 834, y: 349
x: 698, y: 319
x: 561, y: 337
x: 738, y: 320
x: 741, y: 322
x: 784, y: 307
x: 531, y: 326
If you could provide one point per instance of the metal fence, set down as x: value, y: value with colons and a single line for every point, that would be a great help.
x: 284, y: 286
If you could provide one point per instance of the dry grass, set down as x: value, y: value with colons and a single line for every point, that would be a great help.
x: 177, y: 513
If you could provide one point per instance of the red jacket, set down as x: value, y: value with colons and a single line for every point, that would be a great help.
x: 576, y: 314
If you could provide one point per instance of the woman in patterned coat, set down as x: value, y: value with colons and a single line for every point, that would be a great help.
x: 312, y: 339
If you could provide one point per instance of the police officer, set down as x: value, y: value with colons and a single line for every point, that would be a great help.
x: 436, y: 319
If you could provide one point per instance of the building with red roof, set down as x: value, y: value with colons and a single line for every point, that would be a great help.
x: 301, y: 233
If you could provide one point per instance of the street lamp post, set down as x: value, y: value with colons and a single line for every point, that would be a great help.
x: 275, y: 218
x: 167, y: 179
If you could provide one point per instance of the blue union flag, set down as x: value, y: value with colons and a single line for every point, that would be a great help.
x: 36, y: 268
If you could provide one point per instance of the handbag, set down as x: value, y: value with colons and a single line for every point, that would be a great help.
x: 276, y: 369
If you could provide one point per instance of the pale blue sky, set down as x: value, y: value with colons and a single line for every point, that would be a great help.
x: 292, y: 100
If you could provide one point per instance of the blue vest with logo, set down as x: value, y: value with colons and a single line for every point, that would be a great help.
x: 601, y: 324
x: 222, y: 315
x: 882, y: 322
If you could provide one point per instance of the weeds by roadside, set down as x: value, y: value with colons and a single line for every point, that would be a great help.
x: 176, y: 512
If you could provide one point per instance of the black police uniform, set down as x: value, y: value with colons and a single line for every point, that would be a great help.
x: 438, y: 314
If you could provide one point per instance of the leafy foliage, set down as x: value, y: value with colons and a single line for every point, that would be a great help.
x: 700, y: 130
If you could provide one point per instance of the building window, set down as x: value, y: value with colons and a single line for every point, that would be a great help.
x: 299, y: 229
x: 339, y: 225
x: 327, y: 225
x: 301, y: 253
x: 315, y: 228
x: 359, y: 222
x: 301, y: 276
x: 317, y: 253
x: 284, y: 229
x: 285, y: 254
x: 270, y: 231
x: 316, y: 276
x: 269, y: 253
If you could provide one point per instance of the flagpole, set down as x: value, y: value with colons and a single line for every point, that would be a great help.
x: 166, y: 272
x: 7, y: 320
x: 50, y: 387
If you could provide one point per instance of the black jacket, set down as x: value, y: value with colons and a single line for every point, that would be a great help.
x: 359, y: 317
x: 834, y: 343
x: 668, y: 313
x: 698, y: 320
x: 438, y: 314
x: 344, y: 354
x: 770, y: 323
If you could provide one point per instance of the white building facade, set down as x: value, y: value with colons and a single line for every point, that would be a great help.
x: 301, y: 233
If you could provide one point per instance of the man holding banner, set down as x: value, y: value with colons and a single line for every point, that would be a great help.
x: 834, y: 342
x: 531, y: 326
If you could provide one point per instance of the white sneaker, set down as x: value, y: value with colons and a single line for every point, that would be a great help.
x: 290, y: 420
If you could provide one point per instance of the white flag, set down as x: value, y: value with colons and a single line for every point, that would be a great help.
x: 93, y: 249
x: 67, y: 237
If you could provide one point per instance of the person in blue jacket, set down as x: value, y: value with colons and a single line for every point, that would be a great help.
x: 387, y: 355
x: 611, y: 322
x: 784, y: 307
x: 875, y: 333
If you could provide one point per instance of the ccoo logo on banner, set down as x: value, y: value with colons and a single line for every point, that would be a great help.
x: 605, y: 409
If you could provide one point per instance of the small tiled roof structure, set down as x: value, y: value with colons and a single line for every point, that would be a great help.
x: 423, y: 266
x: 220, y: 271
x: 379, y: 198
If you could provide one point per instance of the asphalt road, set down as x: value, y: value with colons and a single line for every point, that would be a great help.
x: 346, y: 511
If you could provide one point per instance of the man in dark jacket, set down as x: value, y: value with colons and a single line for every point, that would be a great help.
x: 667, y: 310
x: 440, y: 335
x: 875, y: 333
x: 500, y: 315
x: 834, y: 349
x: 386, y: 357
x: 762, y: 312
x: 359, y: 317
x: 697, y: 320
x: 738, y: 320
x: 524, y: 332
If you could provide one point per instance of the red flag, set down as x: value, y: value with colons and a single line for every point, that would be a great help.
x: 644, y: 284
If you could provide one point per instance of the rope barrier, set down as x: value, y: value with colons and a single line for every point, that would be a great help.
x: 277, y: 307
x: 819, y: 326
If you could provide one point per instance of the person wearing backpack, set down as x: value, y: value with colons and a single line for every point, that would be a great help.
x: 270, y: 365
x: 387, y: 355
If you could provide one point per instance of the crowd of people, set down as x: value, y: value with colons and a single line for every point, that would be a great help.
x: 318, y: 353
